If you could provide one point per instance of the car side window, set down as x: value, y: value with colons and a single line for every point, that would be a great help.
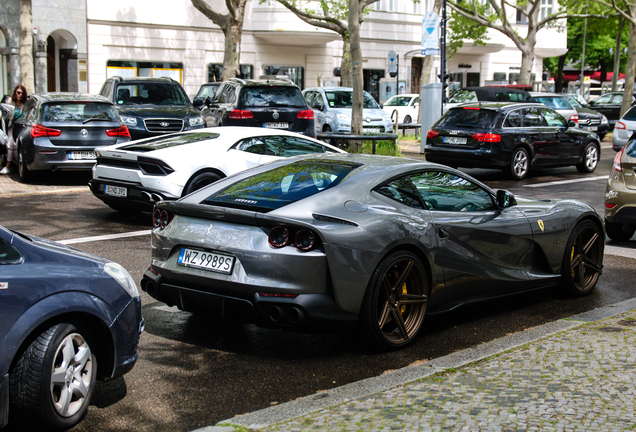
x: 291, y: 146
x: 603, y: 99
x: 402, y: 191
x: 532, y: 117
x: 9, y: 254
x: 253, y: 145
x: 29, y: 110
x: 617, y: 99
x: 444, y: 191
x: 553, y: 118
x: 308, y: 98
x: 513, y: 119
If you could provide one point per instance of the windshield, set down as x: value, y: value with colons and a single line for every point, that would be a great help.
x: 207, y: 90
x: 151, y: 94
x: 344, y: 99
x: 284, y: 185
x: 272, y: 96
x: 79, y: 112
x: 574, y: 102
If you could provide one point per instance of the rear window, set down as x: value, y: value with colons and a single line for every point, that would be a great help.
x: 462, y: 118
x: 630, y: 149
x: 59, y: 112
x: 284, y: 185
x: 150, y: 94
x: 271, y: 96
x: 169, y: 141
x: 630, y: 114
x: 463, y: 96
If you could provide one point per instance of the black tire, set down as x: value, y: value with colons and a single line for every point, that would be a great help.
x: 394, y: 305
x: 619, y: 231
x: 52, y: 383
x: 200, y: 180
x: 24, y: 175
x: 590, y: 159
x: 601, y: 136
x: 519, y: 164
x: 582, y: 259
x: 408, y: 119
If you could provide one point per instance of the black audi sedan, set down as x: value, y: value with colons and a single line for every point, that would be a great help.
x: 512, y: 137
x: 60, y: 131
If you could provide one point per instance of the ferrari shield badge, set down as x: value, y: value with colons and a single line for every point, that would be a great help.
x: 541, y: 225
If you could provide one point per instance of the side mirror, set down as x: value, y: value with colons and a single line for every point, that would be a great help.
x: 381, y: 106
x: 571, y: 123
x: 198, y: 102
x: 207, y: 101
x: 318, y: 106
x: 505, y: 199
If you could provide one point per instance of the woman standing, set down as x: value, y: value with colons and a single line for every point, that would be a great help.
x: 18, y: 99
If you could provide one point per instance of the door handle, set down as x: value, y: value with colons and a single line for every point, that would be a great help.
x: 441, y: 233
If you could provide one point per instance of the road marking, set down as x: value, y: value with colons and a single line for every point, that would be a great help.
x: 625, y: 252
x: 584, y: 179
x: 104, y: 237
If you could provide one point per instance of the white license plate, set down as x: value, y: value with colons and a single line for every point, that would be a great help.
x: 371, y: 130
x: 279, y: 125
x: 81, y: 155
x: 116, y: 191
x: 206, y: 260
x: 454, y: 140
x: 590, y: 128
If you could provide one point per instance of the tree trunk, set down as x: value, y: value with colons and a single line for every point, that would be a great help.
x: 356, y: 75
x: 617, y: 54
x: 231, y: 56
x: 631, y: 66
x: 346, y: 65
x: 27, y: 78
x: 559, y: 80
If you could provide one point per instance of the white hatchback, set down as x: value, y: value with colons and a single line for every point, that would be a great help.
x: 136, y: 175
x: 406, y: 106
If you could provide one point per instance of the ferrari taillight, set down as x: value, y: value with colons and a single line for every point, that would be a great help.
x: 304, y: 239
x: 161, y: 218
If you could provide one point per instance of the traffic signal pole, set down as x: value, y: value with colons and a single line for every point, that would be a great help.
x: 442, y: 55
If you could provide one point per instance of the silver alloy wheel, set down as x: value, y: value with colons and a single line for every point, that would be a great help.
x: 520, y: 163
x: 71, y: 375
x: 591, y: 157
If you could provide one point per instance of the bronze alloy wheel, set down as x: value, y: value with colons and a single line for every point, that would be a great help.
x: 395, y: 303
x: 583, y: 260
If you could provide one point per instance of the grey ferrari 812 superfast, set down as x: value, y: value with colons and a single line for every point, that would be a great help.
x: 378, y: 242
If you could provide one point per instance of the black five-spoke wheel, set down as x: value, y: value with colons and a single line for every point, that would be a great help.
x: 394, y: 306
x: 583, y: 258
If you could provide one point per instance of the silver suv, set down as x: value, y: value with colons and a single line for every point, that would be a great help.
x: 332, y: 111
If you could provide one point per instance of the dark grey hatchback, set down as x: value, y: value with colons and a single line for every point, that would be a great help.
x: 60, y: 131
x: 512, y: 137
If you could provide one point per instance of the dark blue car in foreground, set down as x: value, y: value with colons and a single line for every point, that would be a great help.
x: 67, y: 318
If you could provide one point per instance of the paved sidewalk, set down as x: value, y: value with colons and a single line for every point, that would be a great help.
x: 576, y: 374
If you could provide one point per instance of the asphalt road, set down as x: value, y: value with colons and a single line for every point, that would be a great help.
x: 194, y: 372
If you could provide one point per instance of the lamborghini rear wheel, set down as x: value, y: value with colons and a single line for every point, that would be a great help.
x: 394, y: 305
x: 583, y: 259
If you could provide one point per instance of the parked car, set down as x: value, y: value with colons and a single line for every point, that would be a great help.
x: 589, y: 119
x: 406, y: 105
x: 486, y: 94
x: 263, y: 103
x: 136, y: 175
x: 205, y: 91
x: 557, y: 102
x: 376, y: 242
x: 512, y: 137
x: 624, y: 129
x: 620, y: 195
x: 333, y: 109
x: 60, y: 131
x: 609, y: 104
x: 152, y: 106
x: 68, y: 318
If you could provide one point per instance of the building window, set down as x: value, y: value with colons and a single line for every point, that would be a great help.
x: 124, y: 68
x: 215, y: 72
x: 499, y: 76
x: 546, y: 8
x: 513, y: 78
x: 294, y: 73
x: 522, y: 18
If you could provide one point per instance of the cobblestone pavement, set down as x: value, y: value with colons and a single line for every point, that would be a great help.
x: 577, y: 374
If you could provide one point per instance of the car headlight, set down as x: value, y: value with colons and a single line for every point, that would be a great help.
x: 124, y: 278
x: 344, y: 117
x: 604, y: 120
x: 129, y: 120
x: 386, y: 118
x: 196, y: 121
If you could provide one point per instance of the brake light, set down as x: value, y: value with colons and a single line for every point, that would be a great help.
x: 617, y: 161
x: 42, y: 131
x: 238, y: 114
x: 432, y: 133
x: 121, y: 131
x: 306, y: 114
x: 279, y: 237
x: 620, y: 125
x: 575, y: 118
x: 472, y: 108
x: 610, y: 205
x: 487, y: 137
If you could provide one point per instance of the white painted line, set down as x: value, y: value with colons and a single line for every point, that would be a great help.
x: 104, y: 237
x: 584, y: 179
x: 620, y: 251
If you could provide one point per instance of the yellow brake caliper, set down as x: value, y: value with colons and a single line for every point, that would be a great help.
x: 404, y: 291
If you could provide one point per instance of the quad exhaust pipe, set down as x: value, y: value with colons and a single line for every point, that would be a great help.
x: 151, y: 197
